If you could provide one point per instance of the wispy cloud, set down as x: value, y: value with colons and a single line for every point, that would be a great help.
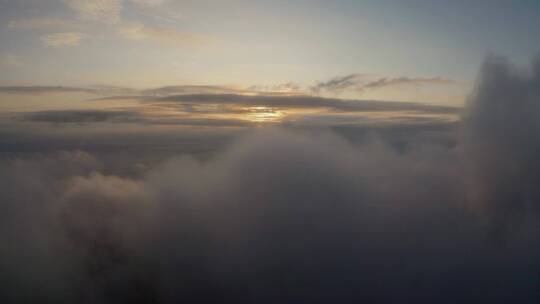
x: 101, y: 90
x: 10, y: 60
x: 338, y: 84
x: 107, y: 11
x: 191, y: 89
x: 121, y: 116
x: 82, y: 116
x: 362, y: 82
x: 276, y: 101
x: 386, y: 82
x: 148, y: 3
x: 58, y: 40
x: 139, y: 31
x: 70, y: 32
x: 114, y: 91
x: 289, y: 87
x: 43, y: 24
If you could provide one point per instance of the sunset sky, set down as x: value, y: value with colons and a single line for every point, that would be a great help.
x: 435, y: 45
x: 269, y: 151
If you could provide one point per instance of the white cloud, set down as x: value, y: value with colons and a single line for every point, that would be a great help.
x: 134, y: 31
x: 42, y: 23
x: 10, y: 60
x: 148, y: 3
x: 139, y: 31
x: 58, y: 40
x: 107, y: 11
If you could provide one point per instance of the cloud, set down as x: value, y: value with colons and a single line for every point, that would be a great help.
x: 219, y: 95
x: 360, y: 82
x: 10, y: 61
x: 501, y: 130
x: 58, y: 40
x: 289, y: 87
x: 113, y: 116
x: 190, y: 89
x: 148, y: 3
x: 290, y: 110
x: 140, y: 32
x: 279, y: 215
x: 102, y: 90
x: 82, y: 116
x: 386, y: 82
x: 338, y: 84
x: 43, y: 24
x: 202, y: 122
x: 107, y: 11
x: 292, y: 215
x: 117, y: 92
x: 41, y: 89
x: 112, y: 233
x: 305, y: 102
x: 219, y: 107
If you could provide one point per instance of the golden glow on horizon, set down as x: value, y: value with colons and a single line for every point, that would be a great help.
x: 181, y: 113
x: 263, y: 114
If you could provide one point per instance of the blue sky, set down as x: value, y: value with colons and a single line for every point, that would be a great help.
x: 149, y: 43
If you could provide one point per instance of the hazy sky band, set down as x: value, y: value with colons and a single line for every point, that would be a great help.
x: 265, y: 43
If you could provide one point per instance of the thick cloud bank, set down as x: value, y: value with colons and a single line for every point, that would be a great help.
x: 502, y: 140
x: 290, y: 216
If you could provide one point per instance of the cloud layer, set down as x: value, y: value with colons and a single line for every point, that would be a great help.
x: 215, y: 105
x: 286, y: 215
x: 502, y: 136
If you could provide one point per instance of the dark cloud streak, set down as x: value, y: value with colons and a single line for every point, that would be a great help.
x: 42, y: 89
x: 359, y: 83
x: 112, y: 116
x: 82, y: 116
x: 306, y: 102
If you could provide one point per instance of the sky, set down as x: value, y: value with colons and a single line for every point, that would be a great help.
x: 160, y: 151
x: 264, y: 44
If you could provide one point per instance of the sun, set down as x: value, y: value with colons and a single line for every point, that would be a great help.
x: 263, y: 114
